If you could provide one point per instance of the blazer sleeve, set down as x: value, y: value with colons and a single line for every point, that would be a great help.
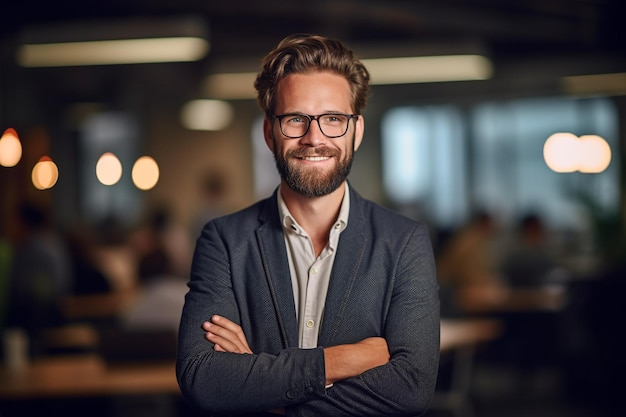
x: 229, y: 383
x: 405, y: 385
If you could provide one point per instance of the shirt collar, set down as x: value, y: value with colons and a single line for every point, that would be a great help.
x: 290, y: 223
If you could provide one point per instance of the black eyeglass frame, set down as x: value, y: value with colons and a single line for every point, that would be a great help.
x: 311, y: 117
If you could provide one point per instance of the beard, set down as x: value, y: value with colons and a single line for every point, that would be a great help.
x: 310, y: 182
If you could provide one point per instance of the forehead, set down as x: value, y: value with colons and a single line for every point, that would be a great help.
x: 313, y: 92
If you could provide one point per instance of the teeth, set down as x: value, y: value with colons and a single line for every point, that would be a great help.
x: 315, y: 158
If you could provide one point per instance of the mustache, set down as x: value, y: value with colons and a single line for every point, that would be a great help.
x: 307, y: 152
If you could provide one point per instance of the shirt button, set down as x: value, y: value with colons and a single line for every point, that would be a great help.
x: 314, y: 270
x: 310, y: 323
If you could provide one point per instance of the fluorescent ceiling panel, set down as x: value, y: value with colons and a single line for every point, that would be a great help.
x: 427, y: 69
x: 124, y: 51
x: 613, y: 84
x: 404, y: 70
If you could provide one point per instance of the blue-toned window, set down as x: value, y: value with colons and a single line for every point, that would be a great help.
x: 447, y: 165
x: 424, y: 166
x: 510, y: 175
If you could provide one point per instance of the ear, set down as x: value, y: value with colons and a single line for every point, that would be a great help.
x: 359, y: 129
x: 268, y: 134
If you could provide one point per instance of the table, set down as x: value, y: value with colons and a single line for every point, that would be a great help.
x: 493, y: 299
x: 460, y: 337
x: 89, y: 375
x: 458, y: 333
x: 86, y: 375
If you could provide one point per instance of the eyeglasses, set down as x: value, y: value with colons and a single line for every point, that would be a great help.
x: 296, y: 125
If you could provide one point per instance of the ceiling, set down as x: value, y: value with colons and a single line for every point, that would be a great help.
x: 510, y: 31
x: 245, y: 25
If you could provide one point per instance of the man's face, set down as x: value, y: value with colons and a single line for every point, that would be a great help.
x: 313, y: 165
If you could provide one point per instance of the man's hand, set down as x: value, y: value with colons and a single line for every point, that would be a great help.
x: 226, y: 335
x: 346, y: 361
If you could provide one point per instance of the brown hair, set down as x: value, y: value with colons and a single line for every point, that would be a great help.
x: 303, y: 53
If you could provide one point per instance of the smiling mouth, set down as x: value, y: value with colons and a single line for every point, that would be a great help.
x: 314, y: 158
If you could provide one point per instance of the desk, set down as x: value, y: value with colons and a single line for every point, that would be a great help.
x: 98, y: 306
x: 467, y: 332
x: 460, y: 338
x: 89, y: 375
x: 86, y: 375
x: 492, y: 299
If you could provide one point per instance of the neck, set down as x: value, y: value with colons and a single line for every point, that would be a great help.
x: 316, y: 215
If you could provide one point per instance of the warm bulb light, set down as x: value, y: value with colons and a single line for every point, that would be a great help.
x: 45, y: 174
x: 108, y: 169
x: 560, y: 152
x: 10, y: 148
x: 565, y: 152
x: 145, y: 173
x: 595, y: 154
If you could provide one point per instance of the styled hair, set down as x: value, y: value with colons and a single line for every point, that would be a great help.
x: 301, y: 54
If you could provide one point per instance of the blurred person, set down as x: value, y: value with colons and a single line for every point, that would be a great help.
x: 467, y: 268
x: 536, y: 293
x: 163, y: 267
x: 158, y: 304
x: 315, y: 301
x: 89, y: 279
x: 163, y: 245
x: 40, y: 273
x: 113, y: 255
x: 529, y: 263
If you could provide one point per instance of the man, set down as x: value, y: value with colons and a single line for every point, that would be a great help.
x: 313, y: 302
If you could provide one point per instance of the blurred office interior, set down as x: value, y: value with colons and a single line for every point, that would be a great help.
x: 507, y: 136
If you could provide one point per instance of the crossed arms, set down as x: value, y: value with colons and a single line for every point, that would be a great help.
x: 340, y: 362
x: 381, y: 356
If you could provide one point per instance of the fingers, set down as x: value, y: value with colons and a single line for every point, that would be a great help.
x: 226, y: 335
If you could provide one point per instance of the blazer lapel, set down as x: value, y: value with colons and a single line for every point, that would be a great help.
x: 351, y: 247
x: 276, y: 268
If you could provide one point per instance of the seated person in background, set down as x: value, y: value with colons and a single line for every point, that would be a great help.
x: 158, y: 305
x: 467, y: 269
x: 529, y: 262
x: 40, y: 276
x: 89, y: 278
x: 162, y: 280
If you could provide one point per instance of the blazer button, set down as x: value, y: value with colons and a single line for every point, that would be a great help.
x: 291, y: 394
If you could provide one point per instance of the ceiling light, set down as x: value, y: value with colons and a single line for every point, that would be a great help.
x: 114, y: 42
x: 127, y: 51
x: 596, y: 84
x: 427, y: 69
x: 210, y: 115
x: 400, y: 70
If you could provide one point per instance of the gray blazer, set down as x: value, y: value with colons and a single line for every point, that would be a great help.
x: 383, y: 283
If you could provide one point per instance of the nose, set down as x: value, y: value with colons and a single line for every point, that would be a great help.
x: 314, y: 136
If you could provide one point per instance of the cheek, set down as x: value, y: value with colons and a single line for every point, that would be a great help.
x: 282, y: 148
